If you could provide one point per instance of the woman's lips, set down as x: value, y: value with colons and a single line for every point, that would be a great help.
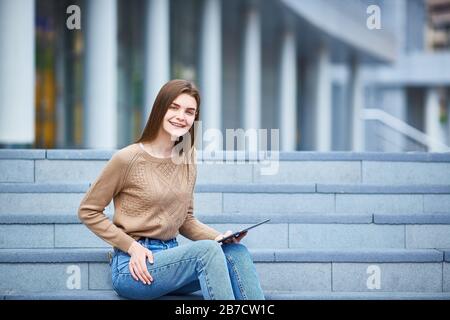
x: 177, y: 124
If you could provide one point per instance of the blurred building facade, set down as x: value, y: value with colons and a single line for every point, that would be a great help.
x: 315, y: 69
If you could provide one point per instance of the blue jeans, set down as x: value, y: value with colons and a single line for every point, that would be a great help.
x: 222, y: 272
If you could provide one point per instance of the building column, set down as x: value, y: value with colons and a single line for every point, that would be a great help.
x: 157, y: 52
x: 288, y: 92
x: 323, y: 100
x: 433, y: 127
x: 356, y: 96
x: 17, y: 65
x: 101, y: 75
x: 252, y: 69
x: 211, y: 67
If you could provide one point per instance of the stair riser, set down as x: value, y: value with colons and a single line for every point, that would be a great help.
x: 320, y: 277
x: 228, y: 202
x: 345, y: 172
x: 276, y: 236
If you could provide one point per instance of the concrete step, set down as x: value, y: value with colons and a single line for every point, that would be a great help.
x: 270, y: 295
x: 307, y: 231
x: 56, y: 255
x: 291, y: 167
x: 288, y: 270
x: 26, y: 198
x: 62, y: 187
x: 251, y: 218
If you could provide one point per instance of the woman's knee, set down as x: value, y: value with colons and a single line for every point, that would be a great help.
x: 237, y: 250
x: 210, y: 247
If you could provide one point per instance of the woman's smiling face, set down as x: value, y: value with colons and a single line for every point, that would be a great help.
x: 180, y: 115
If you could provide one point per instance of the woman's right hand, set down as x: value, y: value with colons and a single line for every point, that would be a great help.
x: 138, y: 265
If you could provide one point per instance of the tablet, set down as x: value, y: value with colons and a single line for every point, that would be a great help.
x: 236, y: 234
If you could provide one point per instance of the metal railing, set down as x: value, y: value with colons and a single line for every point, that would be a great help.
x: 404, y: 129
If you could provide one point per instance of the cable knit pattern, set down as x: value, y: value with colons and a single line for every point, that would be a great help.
x: 153, y: 197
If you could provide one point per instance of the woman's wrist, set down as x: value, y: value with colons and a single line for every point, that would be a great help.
x: 132, y: 248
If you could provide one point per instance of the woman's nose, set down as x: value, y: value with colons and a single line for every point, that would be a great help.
x: 180, y: 117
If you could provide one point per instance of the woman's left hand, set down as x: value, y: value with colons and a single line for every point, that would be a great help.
x: 232, y: 240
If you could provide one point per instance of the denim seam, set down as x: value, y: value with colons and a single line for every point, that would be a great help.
x: 114, y: 266
x: 233, y: 266
x: 210, y: 292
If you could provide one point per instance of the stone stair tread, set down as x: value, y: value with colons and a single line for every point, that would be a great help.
x: 249, y: 218
x: 270, y: 295
x: 100, y: 154
x: 350, y: 188
x: 229, y: 217
x: 63, y: 255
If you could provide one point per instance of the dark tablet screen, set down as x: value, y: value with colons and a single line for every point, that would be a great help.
x: 236, y: 234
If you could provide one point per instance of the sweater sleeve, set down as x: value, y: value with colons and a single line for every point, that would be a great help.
x: 196, y: 230
x: 100, y: 193
x: 192, y: 228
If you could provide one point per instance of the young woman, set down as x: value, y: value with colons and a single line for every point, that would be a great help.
x: 153, y: 201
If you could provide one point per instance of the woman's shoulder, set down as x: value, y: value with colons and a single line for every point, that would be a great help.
x: 124, y: 155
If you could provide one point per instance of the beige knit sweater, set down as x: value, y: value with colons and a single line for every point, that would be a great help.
x: 153, y: 197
